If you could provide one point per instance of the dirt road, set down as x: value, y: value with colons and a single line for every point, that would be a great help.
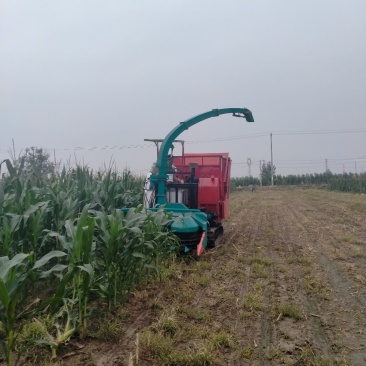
x: 286, y: 286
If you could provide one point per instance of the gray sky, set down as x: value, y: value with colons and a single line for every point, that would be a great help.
x: 111, y: 73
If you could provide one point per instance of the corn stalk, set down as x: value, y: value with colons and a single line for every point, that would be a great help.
x: 13, y: 281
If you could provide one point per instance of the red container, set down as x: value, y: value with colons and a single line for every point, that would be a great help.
x: 213, y: 173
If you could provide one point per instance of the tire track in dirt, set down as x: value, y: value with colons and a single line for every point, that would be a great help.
x: 339, y: 280
x: 246, y: 222
x: 315, y: 327
x: 342, y: 286
x: 339, y: 213
x: 257, y: 213
x: 261, y: 327
x: 345, y: 254
x: 242, y: 219
x: 285, y: 288
x: 268, y: 331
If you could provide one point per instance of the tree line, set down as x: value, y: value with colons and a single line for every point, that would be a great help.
x: 346, y: 182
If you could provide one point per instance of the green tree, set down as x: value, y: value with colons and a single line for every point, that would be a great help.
x: 36, y: 161
x: 266, y: 173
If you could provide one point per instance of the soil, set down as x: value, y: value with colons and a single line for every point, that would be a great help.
x: 285, y: 286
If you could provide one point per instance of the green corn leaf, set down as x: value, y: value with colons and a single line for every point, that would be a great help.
x: 65, y: 336
x: 4, y: 296
x: 136, y: 230
x: 150, y: 266
x: 15, y: 221
x: 45, y: 342
x: 139, y: 255
x: 148, y: 244
x: 1, y: 192
x: 3, y: 263
x: 55, y: 268
x: 70, y: 229
x: 10, y: 168
x: 58, y: 296
x: 87, y: 268
x: 35, y: 207
x: 7, y: 264
x: 53, y: 254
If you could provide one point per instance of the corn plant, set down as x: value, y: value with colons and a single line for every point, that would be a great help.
x: 130, y: 245
x: 62, y: 335
x: 112, y: 234
x: 80, y: 247
x: 107, y: 251
x: 13, y: 281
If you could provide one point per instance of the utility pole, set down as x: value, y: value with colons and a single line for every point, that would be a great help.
x: 249, y: 162
x: 271, y: 162
x: 355, y: 167
x: 326, y: 165
x: 260, y: 172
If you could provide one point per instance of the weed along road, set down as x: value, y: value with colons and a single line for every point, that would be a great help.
x: 286, y: 286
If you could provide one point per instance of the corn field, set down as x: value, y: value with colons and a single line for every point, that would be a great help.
x: 64, y: 244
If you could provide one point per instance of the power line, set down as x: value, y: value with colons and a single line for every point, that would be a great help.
x: 277, y: 133
x: 92, y: 148
x: 229, y: 138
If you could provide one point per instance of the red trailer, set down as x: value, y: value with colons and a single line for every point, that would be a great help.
x: 207, y: 178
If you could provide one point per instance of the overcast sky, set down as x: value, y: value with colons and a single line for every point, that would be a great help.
x: 91, y: 79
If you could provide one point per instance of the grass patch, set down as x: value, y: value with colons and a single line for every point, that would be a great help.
x: 246, y: 352
x: 309, y: 357
x: 222, y: 339
x: 156, y: 306
x: 203, y: 266
x: 184, y: 295
x: 194, y: 313
x: 345, y: 221
x: 233, y: 270
x: 242, y: 259
x: 156, y: 344
x: 167, y: 324
x: 253, y: 302
x: 359, y: 254
x: 302, y: 260
x: 272, y: 353
x: 269, y: 233
x: 358, y: 206
x: 243, y: 315
x: 164, y: 350
x: 350, y: 239
x: 27, y: 342
x: 259, y: 270
x: 291, y: 311
x: 203, y: 332
x: 109, y: 328
x: 202, y: 280
x: 314, y: 286
x: 281, y: 268
x: 259, y: 287
x: 263, y: 261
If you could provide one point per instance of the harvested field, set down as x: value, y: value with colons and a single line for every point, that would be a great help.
x: 286, y: 286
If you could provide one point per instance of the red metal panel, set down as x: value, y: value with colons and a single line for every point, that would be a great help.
x: 213, y: 171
